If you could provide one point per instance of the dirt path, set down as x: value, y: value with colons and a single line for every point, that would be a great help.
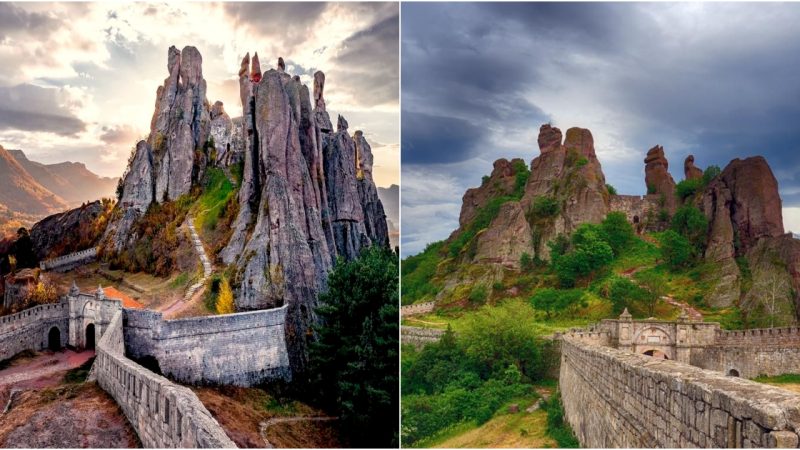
x: 196, y: 289
x: 42, y: 366
x: 277, y: 420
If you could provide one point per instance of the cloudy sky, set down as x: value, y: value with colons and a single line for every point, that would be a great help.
x: 78, y: 80
x: 717, y: 80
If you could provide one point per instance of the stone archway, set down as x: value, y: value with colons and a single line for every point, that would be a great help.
x: 733, y: 373
x: 54, y: 339
x: 90, y: 337
x: 655, y: 353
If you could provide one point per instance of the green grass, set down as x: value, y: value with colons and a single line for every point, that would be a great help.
x: 211, y: 204
x: 80, y: 373
x: 182, y: 280
x: 418, y: 272
x: 787, y: 378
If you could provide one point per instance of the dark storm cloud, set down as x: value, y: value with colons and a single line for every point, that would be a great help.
x: 32, y: 108
x: 717, y: 80
x: 369, y: 56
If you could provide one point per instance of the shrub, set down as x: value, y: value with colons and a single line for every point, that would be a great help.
x: 588, y: 253
x: 623, y: 293
x: 617, y: 231
x: 225, y: 303
x: 692, y: 224
x: 688, y: 188
x: 555, y: 301
x: 545, y: 206
x: 485, y: 179
x: 525, y: 261
x: 557, y: 427
x: 582, y: 161
x: 521, y: 174
x: 611, y: 189
x: 651, y: 188
x: 710, y: 173
x: 675, y: 249
x: 478, y: 295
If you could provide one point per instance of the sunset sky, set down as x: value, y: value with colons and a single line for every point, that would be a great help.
x: 78, y: 80
x: 717, y: 80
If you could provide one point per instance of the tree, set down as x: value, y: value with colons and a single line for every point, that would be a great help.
x: 617, y: 231
x: 554, y: 301
x: 773, y: 290
x: 354, y: 362
x: 710, y: 173
x: 676, y: 250
x: 623, y: 293
x: 225, y: 304
x: 611, y: 189
x: 653, y: 289
x: 692, y: 224
x: 588, y: 253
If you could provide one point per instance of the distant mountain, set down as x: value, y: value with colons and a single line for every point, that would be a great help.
x: 71, y: 181
x: 21, y: 192
x: 390, y: 197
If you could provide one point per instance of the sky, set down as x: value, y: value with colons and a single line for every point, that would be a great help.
x: 78, y: 80
x: 716, y: 80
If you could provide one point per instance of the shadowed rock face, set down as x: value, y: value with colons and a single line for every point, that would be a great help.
x: 658, y: 179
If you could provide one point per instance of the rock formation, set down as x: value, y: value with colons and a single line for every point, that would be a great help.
x: 222, y: 133
x: 658, y: 179
x: 690, y: 171
x: 67, y: 232
x: 499, y: 184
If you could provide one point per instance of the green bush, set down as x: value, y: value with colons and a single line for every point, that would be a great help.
x: 623, y: 293
x: 692, y: 224
x: 582, y: 161
x: 617, y: 231
x: 611, y: 189
x: 545, y: 206
x: 676, y: 250
x: 555, y: 301
x: 588, y: 253
x: 710, y: 173
x: 521, y: 174
x: 478, y: 294
x: 688, y: 188
x: 557, y: 427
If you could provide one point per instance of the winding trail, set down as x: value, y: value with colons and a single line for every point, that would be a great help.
x: 276, y: 420
x: 196, y: 287
x: 43, y: 365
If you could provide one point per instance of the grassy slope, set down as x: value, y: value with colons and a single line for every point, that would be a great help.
x: 510, y: 430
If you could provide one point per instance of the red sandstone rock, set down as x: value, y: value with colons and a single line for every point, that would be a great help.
x: 255, y: 70
x: 690, y: 171
x: 658, y: 179
x: 549, y: 138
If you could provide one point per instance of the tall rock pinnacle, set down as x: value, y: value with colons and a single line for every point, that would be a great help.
x: 658, y: 179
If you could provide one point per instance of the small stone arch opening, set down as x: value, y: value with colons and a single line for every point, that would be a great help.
x: 733, y: 373
x: 90, y: 337
x: 54, y: 339
x: 635, y: 219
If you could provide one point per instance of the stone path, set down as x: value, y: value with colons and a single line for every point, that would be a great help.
x: 196, y: 287
x: 43, y: 365
x: 276, y: 420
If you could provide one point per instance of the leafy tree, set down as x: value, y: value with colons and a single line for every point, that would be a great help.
x: 554, y: 301
x: 558, y: 246
x: 355, y: 359
x: 225, y: 304
x: 479, y: 294
x: 43, y: 292
x: 688, y: 188
x: 623, y: 293
x: 617, y: 231
x: 22, y: 249
x: 611, y: 189
x: 545, y: 206
x: 692, y: 224
x: 653, y: 289
x: 676, y: 250
x: 589, y: 252
x: 710, y: 173
x: 525, y: 261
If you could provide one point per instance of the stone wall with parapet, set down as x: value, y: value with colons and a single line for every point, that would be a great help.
x: 750, y: 353
x: 614, y: 398
x: 418, y: 336
x: 163, y: 414
x: 242, y: 349
x: 417, y: 308
x: 29, y: 329
x: 634, y: 206
x: 69, y: 261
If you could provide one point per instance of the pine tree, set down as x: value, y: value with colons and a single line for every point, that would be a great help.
x: 355, y: 359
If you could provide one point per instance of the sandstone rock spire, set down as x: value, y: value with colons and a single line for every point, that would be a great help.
x: 658, y: 179
x: 690, y: 171
x: 255, y: 70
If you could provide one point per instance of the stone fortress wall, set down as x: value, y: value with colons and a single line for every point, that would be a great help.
x: 686, y: 393
x: 635, y: 207
x: 164, y: 415
x: 70, y: 261
x: 418, y: 336
x: 242, y: 349
x: 418, y: 308
x: 30, y: 329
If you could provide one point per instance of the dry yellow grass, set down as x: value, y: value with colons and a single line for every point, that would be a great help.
x: 794, y: 387
x: 520, y: 430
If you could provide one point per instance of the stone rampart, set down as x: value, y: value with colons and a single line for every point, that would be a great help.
x: 750, y: 353
x: 242, y: 349
x: 418, y: 336
x: 636, y: 208
x: 163, y: 414
x: 70, y: 261
x: 417, y: 308
x: 614, y: 398
x: 29, y: 329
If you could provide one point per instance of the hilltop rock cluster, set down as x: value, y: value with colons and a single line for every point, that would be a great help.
x: 306, y: 197
x: 566, y: 187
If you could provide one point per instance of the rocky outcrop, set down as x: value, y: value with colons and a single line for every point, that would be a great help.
x: 221, y: 133
x: 658, y: 179
x: 179, y: 129
x: 500, y: 183
x: 138, y: 192
x: 690, y: 171
x: 67, y: 232
x: 301, y: 203
x: 743, y: 207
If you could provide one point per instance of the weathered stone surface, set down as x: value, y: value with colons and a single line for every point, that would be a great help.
x: 255, y: 69
x: 221, y: 131
x: 47, y: 234
x: 658, y: 179
x: 374, y: 215
x: 499, y: 184
x: 549, y: 138
x: 690, y: 171
x: 138, y: 192
x: 321, y: 115
x: 508, y: 237
x: 281, y: 64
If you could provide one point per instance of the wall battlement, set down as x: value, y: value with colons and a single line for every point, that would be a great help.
x: 69, y: 261
x: 29, y: 329
x: 242, y: 349
x: 614, y: 398
x: 163, y: 414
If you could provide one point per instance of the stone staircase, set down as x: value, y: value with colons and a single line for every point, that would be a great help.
x: 201, y: 251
